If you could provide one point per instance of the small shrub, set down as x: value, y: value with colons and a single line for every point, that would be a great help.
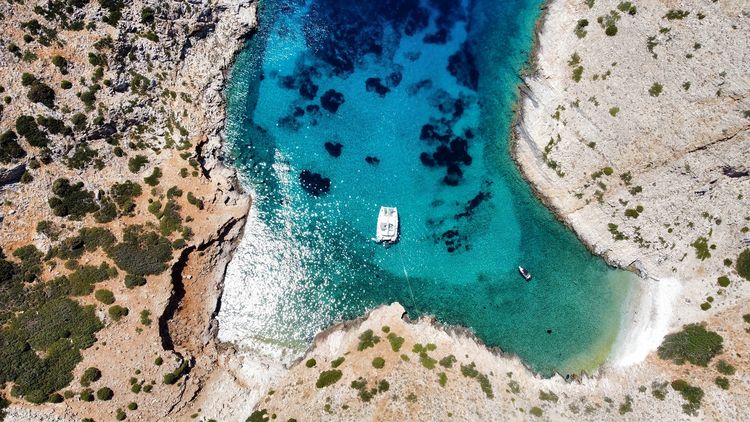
x: 328, y: 378
x: 116, y: 312
x: 743, y: 264
x: 548, y: 396
x: 693, y: 344
x: 105, y: 296
x: 626, y: 406
x: 448, y: 361
x: 613, y: 111
x: 310, y: 363
x: 725, y: 368
x: 135, y: 164
x: 153, y: 179
x: 673, y: 14
x: 693, y: 395
x: 442, y: 379
x: 146, y: 317
x: 378, y: 363
x: 722, y: 382
x: 366, y: 340
x: 158, y: 361
x: 395, y: 341
x: 89, y: 376
x: 337, y: 362
x: 104, y: 393
x: 120, y: 415
x: 132, y: 406
x: 536, y: 411
x: 723, y: 281
x: 655, y: 89
x: 41, y: 93
x: 701, y: 248
x: 71, y: 200
x: 87, y: 394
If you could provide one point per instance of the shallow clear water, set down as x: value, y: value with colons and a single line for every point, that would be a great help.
x: 414, y: 100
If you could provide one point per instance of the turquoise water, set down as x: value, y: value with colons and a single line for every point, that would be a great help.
x: 338, y: 107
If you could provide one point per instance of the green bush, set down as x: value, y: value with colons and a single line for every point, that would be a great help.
x: 31, y: 260
x: 82, y: 280
x: 10, y: 150
x: 141, y: 252
x: 90, y: 375
x: 153, y: 179
x: 104, y: 393
x: 328, y: 378
x: 39, y: 348
x: 442, y: 379
x: 146, y: 317
x: 116, y: 312
x: 87, y: 394
x: 27, y: 127
x: 673, y: 14
x: 195, y: 201
x: 448, y: 361
x: 693, y: 344
x: 120, y: 415
x: 655, y: 89
x: 743, y: 264
x: 693, y: 395
x: 71, y: 200
x: 548, y: 396
x: 105, y: 296
x: 396, y: 341
x: 27, y: 79
x: 626, y: 406
x: 132, y: 406
x: 41, y: 93
x: 725, y: 368
x: 310, y: 363
x: 366, y: 340
x: 378, y: 363
x: 175, y: 375
x: 337, y: 362
x: 536, y: 411
x: 722, y: 382
x: 60, y: 63
x: 133, y: 281
x: 123, y: 194
x: 135, y: 164
x: 147, y: 15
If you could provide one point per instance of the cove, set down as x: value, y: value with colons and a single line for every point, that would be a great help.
x: 336, y: 107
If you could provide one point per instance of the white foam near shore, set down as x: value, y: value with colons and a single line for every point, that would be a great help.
x: 647, y: 321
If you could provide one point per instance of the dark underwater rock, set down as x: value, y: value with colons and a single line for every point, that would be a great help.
x: 332, y: 100
x: 314, y: 183
x: 308, y: 89
x: 394, y: 79
x: 373, y: 161
x: 453, y: 176
x: 376, y: 85
x: 334, y: 149
x: 463, y: 67
x: 438, y: 37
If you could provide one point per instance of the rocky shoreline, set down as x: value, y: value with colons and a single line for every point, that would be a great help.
x: 478, y: 383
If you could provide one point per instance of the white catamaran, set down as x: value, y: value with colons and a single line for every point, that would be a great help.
x: 387, y: 231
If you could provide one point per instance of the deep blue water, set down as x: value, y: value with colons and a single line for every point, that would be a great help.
x: 338, y: 107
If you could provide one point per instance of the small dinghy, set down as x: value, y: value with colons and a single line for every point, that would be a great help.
x: 524, y: 273
x: 387, y: 231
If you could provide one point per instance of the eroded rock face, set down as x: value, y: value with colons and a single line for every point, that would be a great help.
x: 12, y: 174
